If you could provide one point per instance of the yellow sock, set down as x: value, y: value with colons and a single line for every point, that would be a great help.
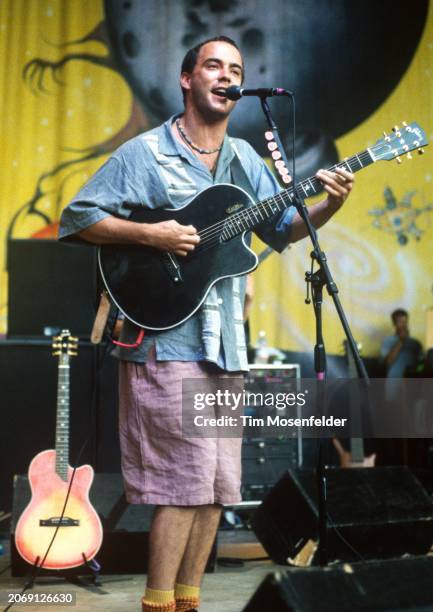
x: 187, y: 597
x: 185, y: 590
x: 155, y: 599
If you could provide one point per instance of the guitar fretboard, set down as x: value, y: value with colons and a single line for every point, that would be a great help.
x: 252, y: 216
x: 62, y: 420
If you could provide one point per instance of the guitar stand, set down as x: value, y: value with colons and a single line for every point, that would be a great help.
x: 32, y: 577
x: 70, y: 575
x: 94, y: 568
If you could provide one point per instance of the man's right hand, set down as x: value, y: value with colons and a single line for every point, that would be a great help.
x: 166, y: 235
x: 173, y: 237
x: 403, y: 334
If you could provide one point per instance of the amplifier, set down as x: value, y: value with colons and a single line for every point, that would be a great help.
x: 52, y: 286
x: 265, y: 459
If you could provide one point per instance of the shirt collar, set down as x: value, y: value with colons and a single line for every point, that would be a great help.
x: 168, y: 145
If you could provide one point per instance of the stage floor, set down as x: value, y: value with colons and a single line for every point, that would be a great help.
x: 228, y: 588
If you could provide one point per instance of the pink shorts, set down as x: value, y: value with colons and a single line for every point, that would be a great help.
x: 159, y: 465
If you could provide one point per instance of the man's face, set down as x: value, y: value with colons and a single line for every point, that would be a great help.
x: 218, y: 66
x: 401, y: 323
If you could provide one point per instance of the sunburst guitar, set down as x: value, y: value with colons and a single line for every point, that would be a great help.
x: 79, y: 530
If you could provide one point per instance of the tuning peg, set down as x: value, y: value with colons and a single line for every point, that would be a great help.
x: 409, y: 155
x: 272, y: 145
x: 404, y: 123
x: 269, y: 136
x: 420, y: 151
x: 396, y: 130
x: 276, y: 155
x: 386, y: 137
x: 398, y: 160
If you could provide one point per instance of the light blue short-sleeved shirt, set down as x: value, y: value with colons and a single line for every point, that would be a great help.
x: 408, y: 356
x: 155, y: 170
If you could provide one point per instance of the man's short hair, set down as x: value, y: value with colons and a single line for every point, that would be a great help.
x: 398, y: 313
x: 190, y: 59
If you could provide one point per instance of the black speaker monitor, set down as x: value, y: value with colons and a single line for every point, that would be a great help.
x: 391, y: 585
x: 373, y: 513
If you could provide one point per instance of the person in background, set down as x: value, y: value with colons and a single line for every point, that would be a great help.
x: 400, y: 351
x: 400, y: 354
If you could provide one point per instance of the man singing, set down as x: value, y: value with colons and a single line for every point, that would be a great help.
x: 188, y: 480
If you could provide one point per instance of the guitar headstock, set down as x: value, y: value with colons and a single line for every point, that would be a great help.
x: 65, y: 344
x: 279, y: 164
x: 401, y: 141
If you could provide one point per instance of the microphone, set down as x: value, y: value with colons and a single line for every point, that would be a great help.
x: 235, y: 92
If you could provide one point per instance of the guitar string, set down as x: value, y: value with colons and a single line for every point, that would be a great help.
x: 232, y: 223
x: 212, y: 234
x: 357, y: 159
x: 286, y: 192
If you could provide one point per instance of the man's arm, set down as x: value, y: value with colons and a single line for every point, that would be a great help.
x: 288, y: 226
x: 338, y: 185
x: 97, y: 214
x: 167, y: 235
x: 392, y: 346
x: 392, y: 355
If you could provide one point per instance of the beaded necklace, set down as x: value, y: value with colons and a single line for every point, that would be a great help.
x: 188, y: 140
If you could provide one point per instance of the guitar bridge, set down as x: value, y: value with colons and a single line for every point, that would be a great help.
x: 172, y: 267
x: 55, y: 521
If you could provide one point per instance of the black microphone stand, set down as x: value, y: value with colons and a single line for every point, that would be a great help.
x: 322, y: 277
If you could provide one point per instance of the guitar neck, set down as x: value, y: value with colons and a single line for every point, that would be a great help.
x: 251, y: 217
x: 62, y: 418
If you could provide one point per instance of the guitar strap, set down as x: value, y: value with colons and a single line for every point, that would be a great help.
x: 239, y: 177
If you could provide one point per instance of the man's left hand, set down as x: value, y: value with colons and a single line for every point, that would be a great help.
x: 337, y: 183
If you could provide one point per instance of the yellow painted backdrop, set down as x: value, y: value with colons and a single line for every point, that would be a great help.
x: 374, y: 273
x: 43, y: 132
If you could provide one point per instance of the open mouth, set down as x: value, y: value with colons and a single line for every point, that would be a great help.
x: 219, y: 91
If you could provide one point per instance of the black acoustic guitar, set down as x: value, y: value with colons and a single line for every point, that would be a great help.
x: 157, y: 290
